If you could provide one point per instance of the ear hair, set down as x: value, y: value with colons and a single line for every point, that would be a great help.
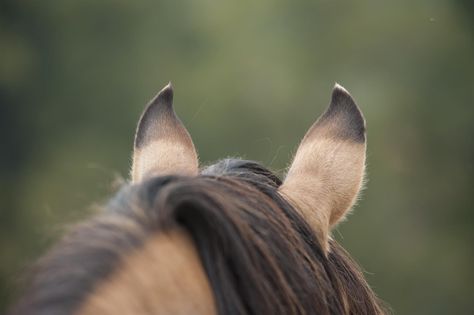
x: 328, y: 168
x: 162, y: 143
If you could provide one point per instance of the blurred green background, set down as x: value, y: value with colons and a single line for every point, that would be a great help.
x: 249, y: 77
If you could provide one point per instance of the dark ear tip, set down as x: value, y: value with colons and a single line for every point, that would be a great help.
x: 169, y: 86
x: 339, y: 92
x: 165, y: 95
x: 342, y: 102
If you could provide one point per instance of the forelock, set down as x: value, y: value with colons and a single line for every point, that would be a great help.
x: 249, y: 171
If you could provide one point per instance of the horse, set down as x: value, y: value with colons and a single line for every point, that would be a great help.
x: 230, y: 238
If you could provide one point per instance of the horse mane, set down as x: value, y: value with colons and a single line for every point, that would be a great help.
x: 259, y: 254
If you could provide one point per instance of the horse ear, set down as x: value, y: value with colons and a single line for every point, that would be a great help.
x: 328, y: 169
x: 162, y: 144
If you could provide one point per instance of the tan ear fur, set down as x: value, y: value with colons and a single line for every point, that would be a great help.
x: 328, y: 168
x: 162, y: 144
x: 164, y: 277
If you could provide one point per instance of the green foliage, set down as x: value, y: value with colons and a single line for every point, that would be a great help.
x: 249, y: 77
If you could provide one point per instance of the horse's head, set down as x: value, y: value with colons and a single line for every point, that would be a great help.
x: 230, y: 238
x: 322, y: 183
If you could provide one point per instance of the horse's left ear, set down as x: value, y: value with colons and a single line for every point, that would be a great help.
x: 328, y: 169
x: 162, y: 146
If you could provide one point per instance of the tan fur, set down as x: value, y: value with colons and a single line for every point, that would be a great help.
x: 326, y: 174
x: 165, y: 276
x: 324, y: 181
x: 163, y: 157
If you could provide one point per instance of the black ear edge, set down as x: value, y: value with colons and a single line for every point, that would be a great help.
x: 161, y: 104
x: 344, y: 110
x: 165, y: 96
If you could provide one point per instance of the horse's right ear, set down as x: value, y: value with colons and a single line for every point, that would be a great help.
x: 162, y: 145
x: 327, y: 171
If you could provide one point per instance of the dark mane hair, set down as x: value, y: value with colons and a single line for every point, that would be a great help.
x: 259, y: 254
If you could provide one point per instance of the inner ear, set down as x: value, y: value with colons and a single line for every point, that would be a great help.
x: 162, y: 144
x: 327, y: 172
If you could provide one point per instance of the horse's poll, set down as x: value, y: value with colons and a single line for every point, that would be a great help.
x: 230, y: 238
